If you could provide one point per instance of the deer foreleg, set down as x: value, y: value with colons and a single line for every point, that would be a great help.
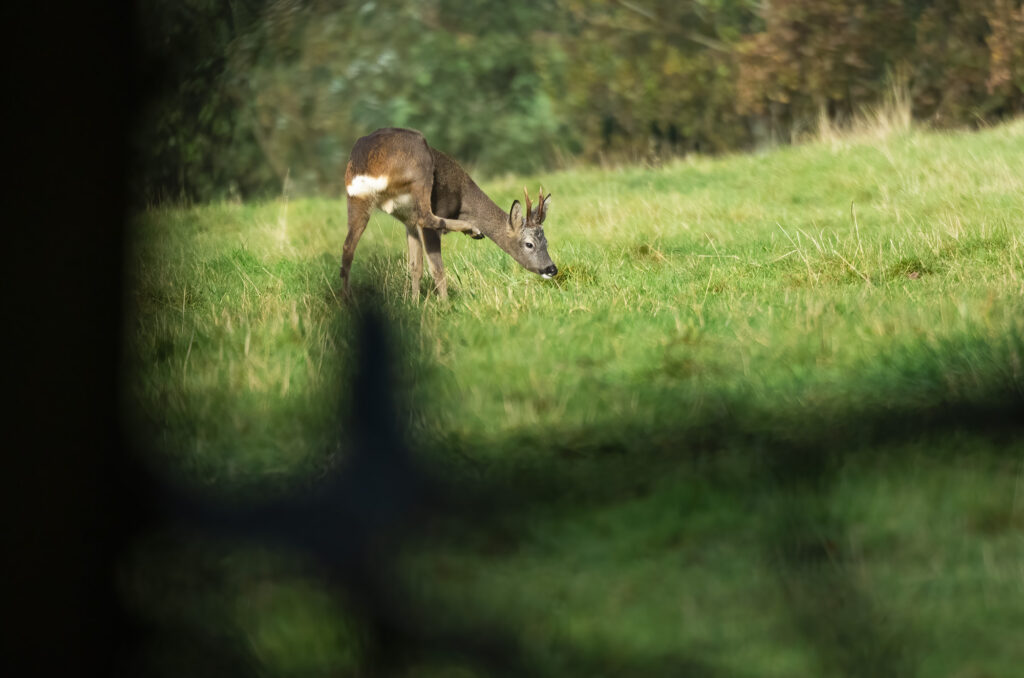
x: 432, y: 244
x: 415, y: 260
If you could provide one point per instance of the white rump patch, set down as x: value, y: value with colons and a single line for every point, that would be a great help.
x: 363, y: 185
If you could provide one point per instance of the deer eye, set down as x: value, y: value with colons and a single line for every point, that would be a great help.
x: 529, y: 245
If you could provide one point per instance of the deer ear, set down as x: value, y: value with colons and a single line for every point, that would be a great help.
x: 542, y: 209
x: 515, y: 217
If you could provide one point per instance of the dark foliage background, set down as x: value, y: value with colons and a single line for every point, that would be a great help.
x: 247, y: 95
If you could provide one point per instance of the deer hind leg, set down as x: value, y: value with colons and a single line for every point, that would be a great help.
x: 412, y: 236
x: 423, y: 217
x: 432, y: 243
x: 358, y: 216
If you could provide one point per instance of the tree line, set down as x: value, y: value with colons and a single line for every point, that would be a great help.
x: 242, y: 97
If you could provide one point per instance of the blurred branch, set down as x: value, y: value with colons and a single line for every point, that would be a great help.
x: 652, y: 24
x: 639, y: 10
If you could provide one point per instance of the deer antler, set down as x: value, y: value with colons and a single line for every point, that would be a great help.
x: 540, y: 204
x: 529, y: 205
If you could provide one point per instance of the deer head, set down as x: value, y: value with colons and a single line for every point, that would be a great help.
x: 526, y: 242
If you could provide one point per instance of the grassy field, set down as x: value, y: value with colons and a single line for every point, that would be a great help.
x: 765, y: 422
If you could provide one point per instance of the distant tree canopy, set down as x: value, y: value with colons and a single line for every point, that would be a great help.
x: 240, y: 95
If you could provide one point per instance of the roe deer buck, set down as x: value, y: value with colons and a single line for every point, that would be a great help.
x: 397, y: 171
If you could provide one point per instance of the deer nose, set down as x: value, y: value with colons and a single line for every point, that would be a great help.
x: 551, y: 271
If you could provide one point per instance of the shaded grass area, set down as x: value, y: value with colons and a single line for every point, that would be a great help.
x: 750, y: 429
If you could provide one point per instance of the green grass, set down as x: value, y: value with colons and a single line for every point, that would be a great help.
x: 748, y: 427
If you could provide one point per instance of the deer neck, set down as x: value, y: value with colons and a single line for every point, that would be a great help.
x: 452, y: 181
x: 485, y: 214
